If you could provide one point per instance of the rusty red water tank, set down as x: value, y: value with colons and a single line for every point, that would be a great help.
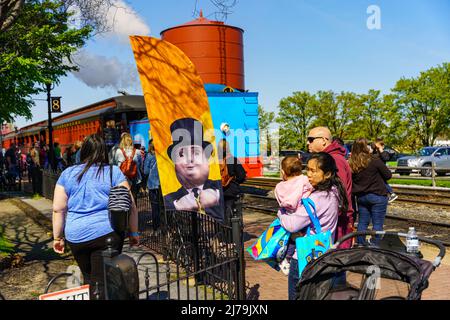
x: 216, y: 49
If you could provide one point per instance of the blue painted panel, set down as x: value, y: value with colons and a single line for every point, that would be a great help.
x: 251, y: 100
x: 139, y: 132
x: 240, y: 111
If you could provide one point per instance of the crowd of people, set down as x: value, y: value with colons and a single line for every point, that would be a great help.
x: 15, y: 165
x: 340, y: 189
x: 336, y: 186
x: 90, y: 170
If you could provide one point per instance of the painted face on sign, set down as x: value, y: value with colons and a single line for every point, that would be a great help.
x: 191, y: 166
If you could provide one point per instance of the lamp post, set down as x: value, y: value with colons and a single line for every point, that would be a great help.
x: 51, y: 157
x: 1, y: 135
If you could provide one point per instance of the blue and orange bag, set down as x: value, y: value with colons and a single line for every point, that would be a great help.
x: 271, y: 245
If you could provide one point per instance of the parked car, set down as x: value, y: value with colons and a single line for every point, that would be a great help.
x: 439, y: 155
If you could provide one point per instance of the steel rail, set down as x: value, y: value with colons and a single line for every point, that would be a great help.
x: 425, y: 202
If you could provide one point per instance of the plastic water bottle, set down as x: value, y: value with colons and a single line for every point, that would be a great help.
x: 412, y: 241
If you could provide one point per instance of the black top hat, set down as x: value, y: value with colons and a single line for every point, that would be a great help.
x: 187, y: 132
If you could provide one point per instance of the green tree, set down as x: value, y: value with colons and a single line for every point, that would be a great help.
x: 295, y: 116
x: 265, y: 119
x: 371, y: 116
x: 36, y: 49
x: 425, y: 103
x: 396, y: 134
x: 336, y: 112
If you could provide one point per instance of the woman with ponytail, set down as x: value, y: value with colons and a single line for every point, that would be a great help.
x: 330, y: 198
x: 370, y: 175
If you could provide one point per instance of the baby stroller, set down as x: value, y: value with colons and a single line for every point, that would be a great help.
x: 385, y: 272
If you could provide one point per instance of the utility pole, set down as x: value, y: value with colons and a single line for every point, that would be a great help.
x: 51, y: 157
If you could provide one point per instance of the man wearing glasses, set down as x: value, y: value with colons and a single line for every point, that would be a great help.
x: 320, y: 140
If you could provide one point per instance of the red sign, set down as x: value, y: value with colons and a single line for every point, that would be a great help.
x: 78, y: 293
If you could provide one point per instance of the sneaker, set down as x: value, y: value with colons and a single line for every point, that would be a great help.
x: 392, y: 197
x: 284, y: 267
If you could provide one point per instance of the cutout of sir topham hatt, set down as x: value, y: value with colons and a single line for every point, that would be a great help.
x: 190, y: 155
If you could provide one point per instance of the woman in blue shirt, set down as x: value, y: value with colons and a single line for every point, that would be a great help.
x: 80, y: 211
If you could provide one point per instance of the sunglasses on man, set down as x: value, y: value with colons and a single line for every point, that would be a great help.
x: 311, y: 139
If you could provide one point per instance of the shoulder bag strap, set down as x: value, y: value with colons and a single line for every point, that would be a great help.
x: 308, y: 204
x: 124, y: 153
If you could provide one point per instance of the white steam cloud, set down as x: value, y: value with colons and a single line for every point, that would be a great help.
x: 101, y: 72
x: 98, y: 71
x: 124, y: 21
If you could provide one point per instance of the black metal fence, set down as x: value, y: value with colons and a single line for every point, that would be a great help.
x: 203, y: 252
x: 170, y: 280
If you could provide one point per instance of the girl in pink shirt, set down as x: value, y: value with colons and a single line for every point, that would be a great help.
x: 289, y: 193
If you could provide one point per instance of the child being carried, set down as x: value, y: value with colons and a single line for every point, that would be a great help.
x: 289, y: 193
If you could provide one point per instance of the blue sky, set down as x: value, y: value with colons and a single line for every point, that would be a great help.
x: 288, y: 46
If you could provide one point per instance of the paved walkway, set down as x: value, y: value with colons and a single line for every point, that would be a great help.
x: 38, y: 263
x: 40, y: 210
x: 268, y: 284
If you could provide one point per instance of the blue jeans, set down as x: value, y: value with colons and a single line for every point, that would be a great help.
x: 293, y: 279
x: 371, y: 207
x: 389, y: 188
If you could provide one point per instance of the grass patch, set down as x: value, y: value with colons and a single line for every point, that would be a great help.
x: 6, y: 247
x: 426, y: 183
x: 272, y: 174
x: 36, y: 294
x: 36, y: 196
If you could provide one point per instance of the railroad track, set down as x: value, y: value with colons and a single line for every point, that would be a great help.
x: 269, y: 205
x: 439, y: 198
